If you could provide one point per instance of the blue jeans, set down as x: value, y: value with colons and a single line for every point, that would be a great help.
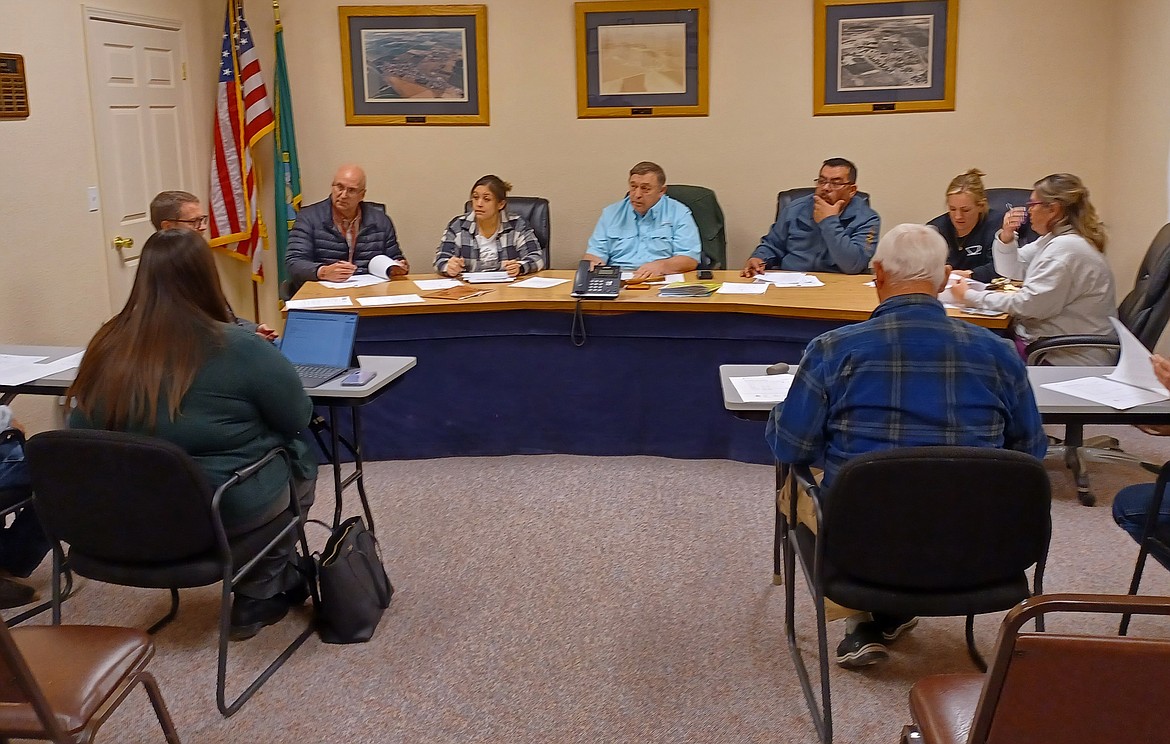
x: 23, y: 543
x: 1129, y: 511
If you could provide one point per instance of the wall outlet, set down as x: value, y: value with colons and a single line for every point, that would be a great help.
x: 91, y: 195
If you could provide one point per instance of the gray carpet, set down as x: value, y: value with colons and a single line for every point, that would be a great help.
x: 573, y: 599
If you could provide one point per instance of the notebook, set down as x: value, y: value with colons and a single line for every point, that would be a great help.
x: 319, y: 344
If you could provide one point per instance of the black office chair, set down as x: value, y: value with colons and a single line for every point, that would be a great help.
x: 1145, y: 311
x: 998, y: 199
x: 925, y: 531
x: 138, y: 511
x: 784, y: 198
x: 534, y: 210
x: 708, y: 218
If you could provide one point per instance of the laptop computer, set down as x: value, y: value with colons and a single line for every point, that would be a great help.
x: 319, y: 344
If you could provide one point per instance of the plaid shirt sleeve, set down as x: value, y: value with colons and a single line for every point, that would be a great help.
x: 1023, y: 431
x: 796, y: 428
x: 456, y: 242
x: 531, y: 255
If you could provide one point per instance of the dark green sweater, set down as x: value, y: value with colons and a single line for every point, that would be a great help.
x: 245, y: 400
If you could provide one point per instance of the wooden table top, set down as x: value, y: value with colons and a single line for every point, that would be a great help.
x: 844, y: 297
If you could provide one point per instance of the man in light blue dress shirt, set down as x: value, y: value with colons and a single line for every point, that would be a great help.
x: 647, y: 232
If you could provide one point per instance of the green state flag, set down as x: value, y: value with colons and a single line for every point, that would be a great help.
x: 288, y: 170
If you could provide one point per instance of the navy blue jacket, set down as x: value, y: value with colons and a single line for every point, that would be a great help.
x: 315, y: 241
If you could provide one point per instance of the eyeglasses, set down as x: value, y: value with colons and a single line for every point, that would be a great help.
x: 198, y: 223
x: 834, y: 184
x: 346, y: 190
x: 1029, y: 205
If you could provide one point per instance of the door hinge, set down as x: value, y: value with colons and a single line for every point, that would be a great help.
x: 184, y: 70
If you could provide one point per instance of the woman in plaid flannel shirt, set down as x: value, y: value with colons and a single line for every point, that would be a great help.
x: 488, y: 238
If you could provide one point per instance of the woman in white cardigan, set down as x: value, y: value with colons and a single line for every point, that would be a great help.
x: 1068, y: 285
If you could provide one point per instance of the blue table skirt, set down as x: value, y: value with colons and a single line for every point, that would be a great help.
x: 504, y: 383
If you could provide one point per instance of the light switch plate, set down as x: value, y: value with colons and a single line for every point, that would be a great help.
x: 91, y: 195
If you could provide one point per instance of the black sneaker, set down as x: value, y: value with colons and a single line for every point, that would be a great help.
x: 861, y: 647
x: 250, y: 615
x: 893, y: 626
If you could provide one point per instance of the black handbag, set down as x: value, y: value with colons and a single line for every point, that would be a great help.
x: 355, y: 590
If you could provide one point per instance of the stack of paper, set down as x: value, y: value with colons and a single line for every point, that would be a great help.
x: 763, y: 388
x: 1131, y: 384
x: 688, y: 289
x: 316, y: 303
x: 357, y: 280
x: 789, y: 279
x: 486, y: 277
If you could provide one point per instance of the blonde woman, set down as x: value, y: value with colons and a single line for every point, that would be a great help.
x: 969, y: 226
x: 1068, y: 286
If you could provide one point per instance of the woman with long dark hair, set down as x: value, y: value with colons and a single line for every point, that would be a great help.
x: 172, y: 365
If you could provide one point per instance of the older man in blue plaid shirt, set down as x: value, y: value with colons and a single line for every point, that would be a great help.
x: 909, y: 376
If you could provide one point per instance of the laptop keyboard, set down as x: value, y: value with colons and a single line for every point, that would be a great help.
x: 315, y: 370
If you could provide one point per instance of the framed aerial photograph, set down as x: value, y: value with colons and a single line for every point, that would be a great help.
x: 414, y: 64
x: 641, y: 58
x: 883, y: 57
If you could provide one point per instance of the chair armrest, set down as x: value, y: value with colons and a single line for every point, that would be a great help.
x: 1039, y: 349
x: 248, y: 471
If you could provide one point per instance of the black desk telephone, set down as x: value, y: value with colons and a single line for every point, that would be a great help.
x: 603, y: 282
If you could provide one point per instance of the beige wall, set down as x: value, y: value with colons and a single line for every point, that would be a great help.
x: 1076, y: 85
x: 760, y: 136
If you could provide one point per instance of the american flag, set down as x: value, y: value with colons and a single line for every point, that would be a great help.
x: 242, y: 117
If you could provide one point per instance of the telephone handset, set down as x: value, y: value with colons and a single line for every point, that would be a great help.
x: 602, y: 282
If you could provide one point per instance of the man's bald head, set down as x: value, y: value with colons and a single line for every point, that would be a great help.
x: 349, y: 188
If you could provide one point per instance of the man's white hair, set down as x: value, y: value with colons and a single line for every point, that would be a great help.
x: 912, y: 253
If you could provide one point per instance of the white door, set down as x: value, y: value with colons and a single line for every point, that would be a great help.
x: 141, y: 128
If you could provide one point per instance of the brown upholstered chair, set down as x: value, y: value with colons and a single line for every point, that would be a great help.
x: 59, y: 683
x: 1053, y: 687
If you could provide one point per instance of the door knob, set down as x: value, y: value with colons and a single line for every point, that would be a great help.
x: 120, y: 242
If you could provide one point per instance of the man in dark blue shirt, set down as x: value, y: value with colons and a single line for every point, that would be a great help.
x: 833, y: 229
x: 909, y: 376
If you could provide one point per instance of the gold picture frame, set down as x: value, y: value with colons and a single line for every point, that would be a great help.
x: 642, y: 58
x: 874, y: 57
x: 414, y: 64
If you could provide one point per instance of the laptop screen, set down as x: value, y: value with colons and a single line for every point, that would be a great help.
x: 324, y: 338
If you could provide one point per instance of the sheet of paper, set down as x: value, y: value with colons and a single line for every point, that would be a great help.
x: 405, y: 299
x: 789, y: 279
x: 319, y: 302
x: 16, y: 360
x: 1107, y: 392
x: 486, y: 277
x: 357, y: 280
x: 539, y: 282
x: 743, y: 288
x: 22, y: 373
x: 668, y: 279
x: 430, y: 285
x: 946, y: 298
x: 763, y: 388
x: 1134, y: 368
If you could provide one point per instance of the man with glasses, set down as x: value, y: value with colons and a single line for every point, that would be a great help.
x: 181, y: 210
x: 336, y: 238
x: 827, y: 231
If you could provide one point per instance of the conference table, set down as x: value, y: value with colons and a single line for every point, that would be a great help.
x: 332, y: 395
x: 535, y: 371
